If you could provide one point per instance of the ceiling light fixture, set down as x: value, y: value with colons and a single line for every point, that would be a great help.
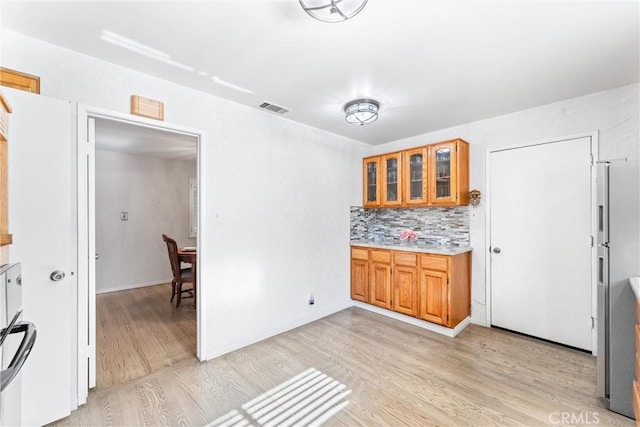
x: 361, y: 111
x: 332, y: 10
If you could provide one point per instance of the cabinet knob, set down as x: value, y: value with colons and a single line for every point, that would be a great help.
x: 496, y: 250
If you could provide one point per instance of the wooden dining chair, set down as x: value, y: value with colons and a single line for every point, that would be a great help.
x: 181, y: 276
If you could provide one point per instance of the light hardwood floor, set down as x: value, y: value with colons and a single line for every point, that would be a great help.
x: 395, y: 375
x: 139, y: 331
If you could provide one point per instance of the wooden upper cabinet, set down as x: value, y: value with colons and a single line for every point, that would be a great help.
x: 415, y: 176
x: 5, y: 110
x: 391, y: 179
x: 19, y: 80
x: 448, y: 173
x: 431, y: 175
x: 371, y: 182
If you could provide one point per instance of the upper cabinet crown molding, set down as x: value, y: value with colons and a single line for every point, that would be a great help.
x: 430, y: 175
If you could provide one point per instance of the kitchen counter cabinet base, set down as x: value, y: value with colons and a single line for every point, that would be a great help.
x: 435, y: 288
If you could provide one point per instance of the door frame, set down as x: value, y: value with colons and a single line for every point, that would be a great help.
x: 594, y: 224
x: 86, y: 232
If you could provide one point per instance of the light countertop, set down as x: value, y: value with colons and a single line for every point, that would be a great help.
x: 635, y: 285
x: 414, y: 247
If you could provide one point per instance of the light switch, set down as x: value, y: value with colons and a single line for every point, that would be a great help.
x: 124, y: 216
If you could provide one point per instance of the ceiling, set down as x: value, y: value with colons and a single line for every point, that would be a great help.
x: 431, y: 64
x: 112, y: 135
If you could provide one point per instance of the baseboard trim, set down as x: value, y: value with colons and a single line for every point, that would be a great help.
x: 416, y: 322
x: 212, y: 353
x: 133, y: 286
x: 480, y: 323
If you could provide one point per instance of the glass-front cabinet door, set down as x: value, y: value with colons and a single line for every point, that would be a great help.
x: 391, y: 176
x: 371, y: 180
x: 442, y: 174
x: 415, y: 176
x: 430, y: 175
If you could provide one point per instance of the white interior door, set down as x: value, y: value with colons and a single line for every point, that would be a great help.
x: 42, y: 221
x: 540, y: 240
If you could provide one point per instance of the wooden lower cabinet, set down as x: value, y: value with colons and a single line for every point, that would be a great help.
x: 434, y: 297
x: 405, y: 290
x: 405, y: 283
x: 360, y: 280
x: 380, y: 285
x: 435, y: 288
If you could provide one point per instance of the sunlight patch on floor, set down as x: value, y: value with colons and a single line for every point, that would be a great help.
x: 308, y: 399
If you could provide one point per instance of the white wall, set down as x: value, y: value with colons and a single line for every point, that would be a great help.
x: 277, y: 194
x: 155, y: 193
x: 613, y: 113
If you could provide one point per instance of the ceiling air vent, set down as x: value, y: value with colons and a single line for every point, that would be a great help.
x: 273, y: 107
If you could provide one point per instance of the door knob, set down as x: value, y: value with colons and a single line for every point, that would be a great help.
x: 496, y: 250
x: 57, y: 275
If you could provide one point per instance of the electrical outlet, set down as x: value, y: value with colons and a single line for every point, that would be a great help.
x: 312, y: 300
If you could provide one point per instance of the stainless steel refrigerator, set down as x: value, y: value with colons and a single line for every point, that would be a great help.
x: 618, y: 259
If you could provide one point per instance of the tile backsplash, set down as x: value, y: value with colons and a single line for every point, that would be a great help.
x: 433, y: 225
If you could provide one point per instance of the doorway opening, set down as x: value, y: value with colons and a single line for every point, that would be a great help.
x: 137, y: 180
x: 143, y: 181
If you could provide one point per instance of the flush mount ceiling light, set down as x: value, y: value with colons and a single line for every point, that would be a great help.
x: 361, y: 111
x: 332, y: 10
